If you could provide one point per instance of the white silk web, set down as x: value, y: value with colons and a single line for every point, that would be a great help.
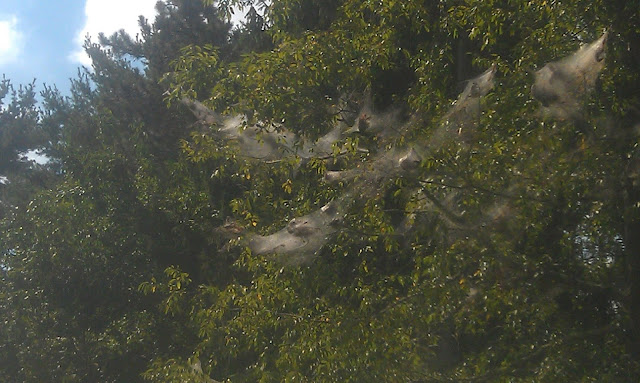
x: 560, y: 87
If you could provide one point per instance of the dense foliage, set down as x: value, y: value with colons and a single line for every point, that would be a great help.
x: 509, y: 252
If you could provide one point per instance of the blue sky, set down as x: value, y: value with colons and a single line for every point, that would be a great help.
x: 42, y: 39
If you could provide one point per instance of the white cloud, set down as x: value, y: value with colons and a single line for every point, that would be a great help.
x: 108, y: 17
x: 11, y: 39
x: 36, y: 156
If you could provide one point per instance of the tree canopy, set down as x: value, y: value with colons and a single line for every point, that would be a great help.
x: 354, y: 191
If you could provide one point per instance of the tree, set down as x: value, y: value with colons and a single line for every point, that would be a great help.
x: 23, y: 128
x: 503, y: 255
x: 75, y: 253
x: 348, y: 191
